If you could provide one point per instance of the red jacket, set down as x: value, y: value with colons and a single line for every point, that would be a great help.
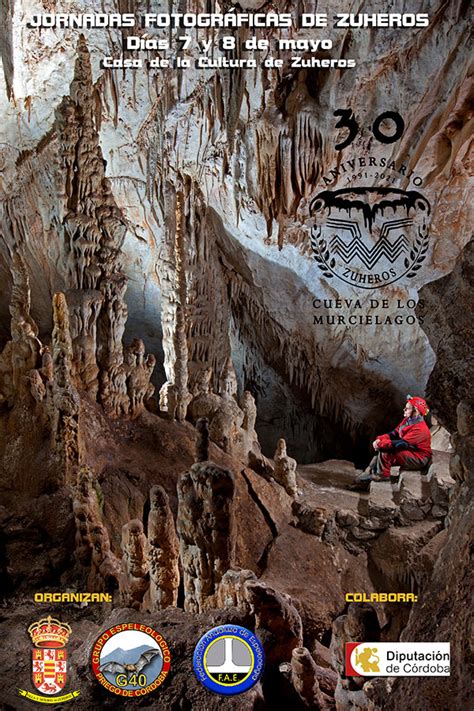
x: 415, y: 437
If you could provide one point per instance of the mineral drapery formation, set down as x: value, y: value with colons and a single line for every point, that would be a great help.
x: 205, y: 529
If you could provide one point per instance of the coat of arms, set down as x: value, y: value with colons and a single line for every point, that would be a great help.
x: 50, y: 637
x: 49, y: 658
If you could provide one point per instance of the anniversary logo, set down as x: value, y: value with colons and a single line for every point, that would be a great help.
x: 370, y: 236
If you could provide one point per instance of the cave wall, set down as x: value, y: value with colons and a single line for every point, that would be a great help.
x: 247, y: 149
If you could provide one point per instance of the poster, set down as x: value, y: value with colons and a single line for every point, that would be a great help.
x: 236, y: 421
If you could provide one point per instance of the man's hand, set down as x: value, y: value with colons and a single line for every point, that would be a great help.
x: 376, y: 444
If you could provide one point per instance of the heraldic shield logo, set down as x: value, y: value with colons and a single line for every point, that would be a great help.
x: 49, y: 656
x: 370, y: 237
x: 49, y: 659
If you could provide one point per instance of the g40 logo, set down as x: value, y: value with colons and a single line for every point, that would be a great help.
x: 133, y: 680
x: 349, y: 121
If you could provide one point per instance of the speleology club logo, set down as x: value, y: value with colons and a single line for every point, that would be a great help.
x: 131, y: 659
x: 228, y: 659
x: 370, y: 236
x: 49, y: 661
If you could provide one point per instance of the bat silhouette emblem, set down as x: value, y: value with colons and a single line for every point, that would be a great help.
x: 129, y: 670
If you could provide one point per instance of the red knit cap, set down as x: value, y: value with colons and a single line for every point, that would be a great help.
x: 419, y: 403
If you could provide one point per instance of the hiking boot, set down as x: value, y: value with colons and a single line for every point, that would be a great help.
x: 366, y: 475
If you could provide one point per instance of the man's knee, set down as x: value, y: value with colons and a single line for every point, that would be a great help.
x: 411, y: 463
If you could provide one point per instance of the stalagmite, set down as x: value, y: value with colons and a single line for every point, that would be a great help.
x: 162, y: 552
x: 304, y: 677
x: 277, y: 622
x: 228, y: 380
x: 358, y: 625
x: 133, y: 580
x: 139, y: 372
x: 105, y: 568
x: 202, y: 440
x: 22, y: 353
x: 232, y: 591
x: 64, y: 399
x: 285, y: 469
x: 92, y: 539
x: 205, y: 529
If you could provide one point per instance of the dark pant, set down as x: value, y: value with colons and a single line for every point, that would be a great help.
x: 383, y: 461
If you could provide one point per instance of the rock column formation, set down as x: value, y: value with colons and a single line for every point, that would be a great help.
x: 285, y: 469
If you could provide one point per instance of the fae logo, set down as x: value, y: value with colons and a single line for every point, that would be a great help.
x: 370, y: 237
x: 228, y: 660
x: 398, y: 659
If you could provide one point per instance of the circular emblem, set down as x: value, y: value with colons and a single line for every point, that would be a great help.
x: 131, y: 659
x: 228, y: 659
x: 370, y: 237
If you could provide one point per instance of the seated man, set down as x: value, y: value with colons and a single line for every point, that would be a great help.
x: 408, y: 445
